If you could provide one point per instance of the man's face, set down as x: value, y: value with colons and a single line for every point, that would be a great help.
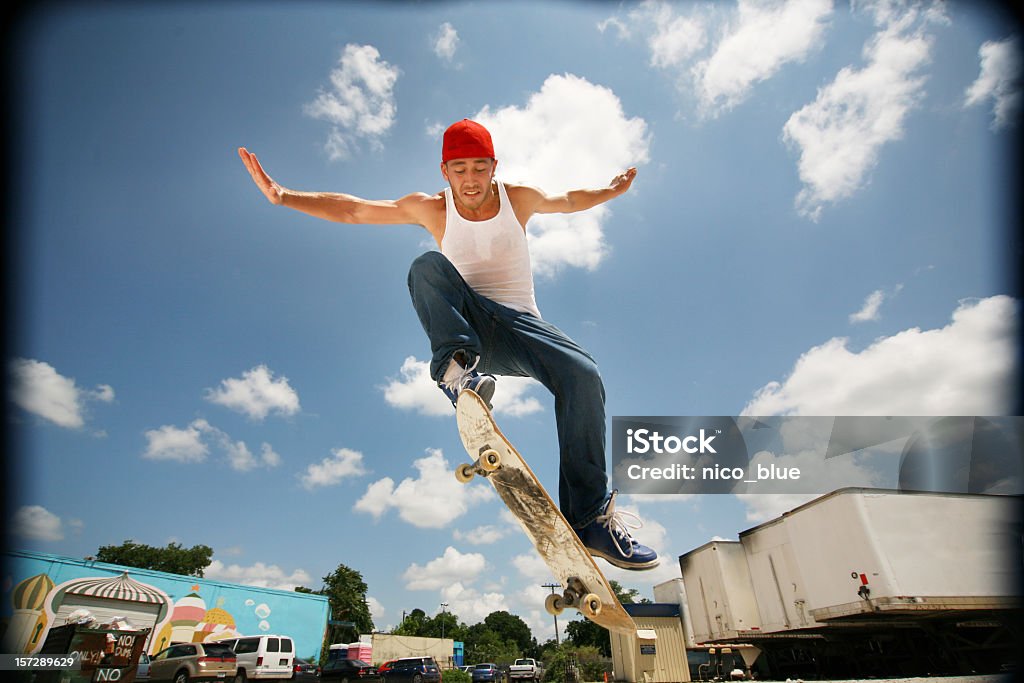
x: 470, y: 180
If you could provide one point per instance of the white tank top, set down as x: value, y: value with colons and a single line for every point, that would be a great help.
x: 492, y: 255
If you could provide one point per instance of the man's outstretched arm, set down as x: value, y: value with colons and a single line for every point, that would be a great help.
x: 337, y: 207
x: 536, y: 201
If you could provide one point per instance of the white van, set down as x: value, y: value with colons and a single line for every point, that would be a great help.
x: 263, y: 658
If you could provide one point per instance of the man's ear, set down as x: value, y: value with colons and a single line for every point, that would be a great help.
x: 444, y: 170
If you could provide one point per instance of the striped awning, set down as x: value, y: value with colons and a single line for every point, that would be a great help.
x: 118, y: 588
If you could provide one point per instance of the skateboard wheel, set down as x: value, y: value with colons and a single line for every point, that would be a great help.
x: 554, y: 605
x: 590, y: 605
x: 490, y: 460
x: 464, y: 473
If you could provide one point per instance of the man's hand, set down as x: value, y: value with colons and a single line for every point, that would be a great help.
x: 622, y: 182
x: 267, y: 186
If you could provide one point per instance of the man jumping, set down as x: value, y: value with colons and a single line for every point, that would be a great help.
x: 476, y: 302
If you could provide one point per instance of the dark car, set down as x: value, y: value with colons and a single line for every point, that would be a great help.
x: 348, y: 671
x: 487, y: 673
x: 305, y: 670
x: 412, y: 670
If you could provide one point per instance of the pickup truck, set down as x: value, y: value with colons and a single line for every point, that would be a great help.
x: 526, y: 669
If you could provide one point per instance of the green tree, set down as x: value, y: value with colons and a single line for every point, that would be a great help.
x: 445, y: 625
x: 346, y: 594
x: 173, y: 559
x: 484, y: 645
x: 511, y: 628
x: 585, y: 633
x: 413, y: 624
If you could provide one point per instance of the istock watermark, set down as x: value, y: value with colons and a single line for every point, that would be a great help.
x: 688, y: 455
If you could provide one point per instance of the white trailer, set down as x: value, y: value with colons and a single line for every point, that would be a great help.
x: 882, y: 582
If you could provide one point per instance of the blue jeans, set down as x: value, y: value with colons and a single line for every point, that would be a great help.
x: 509, y: 342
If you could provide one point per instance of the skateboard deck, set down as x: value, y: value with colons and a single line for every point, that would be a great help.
x: 585, y: 587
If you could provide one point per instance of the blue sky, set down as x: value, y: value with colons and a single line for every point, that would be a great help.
x: 818, y: 227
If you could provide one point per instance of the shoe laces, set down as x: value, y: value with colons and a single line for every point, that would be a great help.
x: 618, y: 523
x: 462, y: 380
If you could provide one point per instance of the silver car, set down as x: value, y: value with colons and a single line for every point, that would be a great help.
x: 186, y: 662
x: 142, y: 671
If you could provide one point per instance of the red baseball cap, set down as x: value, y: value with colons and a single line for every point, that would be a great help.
x: 466, y: 140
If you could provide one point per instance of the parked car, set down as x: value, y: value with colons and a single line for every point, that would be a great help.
x: 526, y: 669
x: 468, y: 668
x: 263, y: 657
x: 348, y: 671
x: 185, y: 662
x: 142, y: 671
x: 304, y: 670
x: 413, y: 670
x: 488, y: 673
x: 383, y: 669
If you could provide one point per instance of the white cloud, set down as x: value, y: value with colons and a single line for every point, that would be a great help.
x: 764, y: 37
x: 446, y: 42
x: 343, y: 463
x: 360, y: 103
x: 531, y: 566
x: 414, y: 390
x: 104, y: 393
x: 242, y: 459
x: 674, y: 39
x: 38, y: 388
x: 259, y: 574
x: 614, y: 22
x: 191, y: 445
x: 472, y: 605
x: 999, y: 80
x: 443, y: 571
x: 178, y: 445
x: 432, y: 501
x: 761, y: 508
x: 36, y: 523
x: 482, y: 535
x: 753, y: 42
x: 256, y: 394
x: 869, y: 311
x: 377, y: 610
x: 840, y: 135
x: 268, y: 457
x: 965, y: 368
x: 571, y: 134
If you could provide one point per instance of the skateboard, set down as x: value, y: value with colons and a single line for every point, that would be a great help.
x: 494, y: 458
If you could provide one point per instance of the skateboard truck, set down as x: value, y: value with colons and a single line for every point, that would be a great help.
x: 575, y: 595
x: 488, y: 462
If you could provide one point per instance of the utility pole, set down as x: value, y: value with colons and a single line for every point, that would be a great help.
x: 553, y: 586
x: 444, y: 605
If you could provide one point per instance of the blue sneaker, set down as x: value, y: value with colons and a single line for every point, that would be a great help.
x: 608, y: 537
x: 456, y: 378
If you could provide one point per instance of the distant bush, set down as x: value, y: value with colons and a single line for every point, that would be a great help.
x: 569, y: 663
x: 455, y: 676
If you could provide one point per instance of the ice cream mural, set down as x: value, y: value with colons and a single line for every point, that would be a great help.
x: 191, y: 622
x: 40, y: 591
x: 28, y: 621
x: 217, y: 624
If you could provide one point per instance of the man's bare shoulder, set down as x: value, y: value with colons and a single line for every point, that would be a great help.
x: 524, y: 198
x: 519, y: 193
